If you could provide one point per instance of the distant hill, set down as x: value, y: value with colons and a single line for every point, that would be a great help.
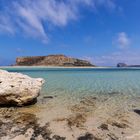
x: 51, y: 60
x: 125, y: 65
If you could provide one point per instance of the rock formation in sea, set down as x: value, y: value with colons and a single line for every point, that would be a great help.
x: 18, y: 89
x: 125, y: 65
x: 121, y: 65
x: 51, y: 60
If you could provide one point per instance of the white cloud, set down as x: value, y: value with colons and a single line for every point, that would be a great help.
x: 88, y: 58
x: 5, y: 25
x: 108, y: 3
x: 122, y: 40
x: 112, y: 59
x: 32, y: 18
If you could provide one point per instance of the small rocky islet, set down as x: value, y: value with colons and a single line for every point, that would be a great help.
x: 52, y: 60
x: 88, y: 120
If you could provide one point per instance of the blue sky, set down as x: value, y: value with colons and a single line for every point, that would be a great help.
x: 104, y: 32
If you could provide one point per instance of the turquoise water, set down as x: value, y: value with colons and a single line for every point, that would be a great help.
x: 99, y: 95
x: 77, y: 82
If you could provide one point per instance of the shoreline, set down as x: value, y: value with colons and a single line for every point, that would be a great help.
x: 62, y: 67
x: 59, y: 67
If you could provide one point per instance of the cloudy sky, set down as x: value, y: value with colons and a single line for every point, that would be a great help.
x: 104, y: 32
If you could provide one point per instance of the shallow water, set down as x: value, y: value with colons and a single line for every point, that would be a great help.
x: 76, y: 82
x: 73, y: 91
x: 71, y: 84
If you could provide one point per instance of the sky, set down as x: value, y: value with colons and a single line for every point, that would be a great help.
x: 105, y: 32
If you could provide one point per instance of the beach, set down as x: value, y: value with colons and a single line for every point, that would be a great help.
x: 69, y: 70
x: 77, y: 104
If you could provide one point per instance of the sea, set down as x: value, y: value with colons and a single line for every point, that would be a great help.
x: 100, y: 94
x: 78, y: 82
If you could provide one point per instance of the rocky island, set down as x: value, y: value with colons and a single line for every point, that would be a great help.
x: 125, y: 65
x: 52, y: 60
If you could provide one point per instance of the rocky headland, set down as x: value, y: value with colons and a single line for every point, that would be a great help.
x: 18, y: 89
x: 52, y: 60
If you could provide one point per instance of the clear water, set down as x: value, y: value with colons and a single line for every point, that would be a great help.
x: 117, y: 91
x: 75, y: 82
x: 121, y: 88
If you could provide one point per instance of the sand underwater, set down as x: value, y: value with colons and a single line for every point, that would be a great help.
x: 77, y: 104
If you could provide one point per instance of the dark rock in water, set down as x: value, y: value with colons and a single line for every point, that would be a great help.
x: 26, y: 119
x: 56, y: 137
x: 89, y: 101
x: 48, y: 97
x: 121, y: 65
x: 125, y: 65
x: 14, y: 124
x: 51, y: 60
x: 113, y: 93
x: 112, y: 136
x: 137, y: 111
x: 43, y: 131
x: 88, y: 136
x: 78, y: 120
x: 104, y: 126
x: 119, y: 125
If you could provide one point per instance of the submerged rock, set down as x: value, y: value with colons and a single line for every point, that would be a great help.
x: 48, y: 97
x: 137, y: 111
x: 119, y: 125
x: 18, y: 89
x: 104, y: 126
x: 88, y: 136
x: 77, y: 120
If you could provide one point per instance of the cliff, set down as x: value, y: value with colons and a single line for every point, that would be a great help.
x: 51, y: 60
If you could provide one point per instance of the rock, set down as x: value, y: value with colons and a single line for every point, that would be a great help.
x: 137, y: 111
x: 104, y: 126
x: 26, y: 136
x: 119, y: 125
x: 76, y: 120
x: 18, y: 89
x: 125, y: 65
x: 48, y: 97
x: 121, y: 65
x: 88, y: 136
x: 56, y: 137
x: 51, y: 60
x: 113, y: 136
